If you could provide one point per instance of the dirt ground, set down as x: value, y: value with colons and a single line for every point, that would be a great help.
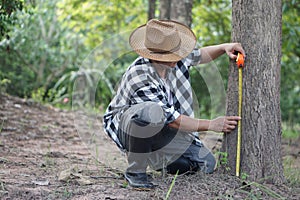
x: 47, y: 153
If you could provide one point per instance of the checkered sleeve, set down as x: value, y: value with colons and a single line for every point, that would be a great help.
x: 193, y: 59
x: 146, y: 90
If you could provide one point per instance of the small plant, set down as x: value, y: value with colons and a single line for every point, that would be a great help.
x: 67, y: 193
x: 244, y: 176
x: 223, y: 160
x: 125, y: 184
x: 171, y: 186
x: 49, y: 161
x: 38, y: 95
x: 4, y: 84
x: 1, y: 126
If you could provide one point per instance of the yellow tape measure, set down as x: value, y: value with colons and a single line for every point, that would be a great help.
x: 240, y: 64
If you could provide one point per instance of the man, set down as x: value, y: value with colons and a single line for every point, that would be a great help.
x: 151, y: 116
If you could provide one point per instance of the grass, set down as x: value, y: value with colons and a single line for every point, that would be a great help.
x: 289, y: 132
x: 291, y: 168
x: 171, y: 186
x: 1, y: 126
x: 291, y: 171
x: 258, y: 190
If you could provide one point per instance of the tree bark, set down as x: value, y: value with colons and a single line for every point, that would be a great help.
x: 257, y: 25
x: 177, y: 10
x: 165, y: 9
x: 151, y: 9
x: 182, y: 11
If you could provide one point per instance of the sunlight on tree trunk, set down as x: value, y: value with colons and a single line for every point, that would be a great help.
x: 257, y: 25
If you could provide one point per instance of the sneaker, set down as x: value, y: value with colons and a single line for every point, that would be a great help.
x: 139, y: 181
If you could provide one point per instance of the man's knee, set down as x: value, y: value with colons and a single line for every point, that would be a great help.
x: 207, y: 160
x: 210, y: 163
x: 151, y: 113
x: 147, y: 121
x: 182, y: 165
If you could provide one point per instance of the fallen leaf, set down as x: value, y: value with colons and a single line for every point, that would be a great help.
x: 41, y: 182
x: 71, y: 174
x: 65, y: 175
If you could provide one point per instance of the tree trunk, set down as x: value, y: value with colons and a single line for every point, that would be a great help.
x: 257, y: 25
x: 165, y: 9
x: 151, y: 9
x: 177, y: 10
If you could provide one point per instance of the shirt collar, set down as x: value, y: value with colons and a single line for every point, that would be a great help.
x: 152, y: 70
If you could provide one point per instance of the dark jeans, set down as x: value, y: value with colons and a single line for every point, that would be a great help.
x: 149, y: 141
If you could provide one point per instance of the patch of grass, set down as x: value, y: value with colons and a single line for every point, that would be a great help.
x: 289, y: 132
x: 258, y: 190
x: 48, y: 160
x: 291, y: 171
x: 1, y: 126
x: 67, y: 194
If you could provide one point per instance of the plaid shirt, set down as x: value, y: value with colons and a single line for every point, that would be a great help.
x: 142, y: 83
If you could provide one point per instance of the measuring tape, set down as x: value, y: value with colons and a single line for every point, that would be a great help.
x: 240, y: 64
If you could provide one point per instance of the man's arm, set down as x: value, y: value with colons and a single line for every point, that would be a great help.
x: 210, y: 53
x: 220, y: 124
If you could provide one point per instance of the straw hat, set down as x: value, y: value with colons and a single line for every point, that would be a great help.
x: 163, y: 40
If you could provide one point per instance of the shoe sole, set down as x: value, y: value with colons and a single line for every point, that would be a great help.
x: 139, y: 188
x: 142, y: 188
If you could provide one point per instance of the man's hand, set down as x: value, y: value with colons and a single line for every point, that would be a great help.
x: 223, y: 124
x: 210, y: 53
x: 230, y: 48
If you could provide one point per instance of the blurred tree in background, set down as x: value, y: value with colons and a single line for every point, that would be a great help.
x: 7, y: 16
x: 38, y: 51
x: 44, y: 45
x: 290, y: 70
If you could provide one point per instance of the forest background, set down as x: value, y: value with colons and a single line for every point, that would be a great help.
x: 44, y: 46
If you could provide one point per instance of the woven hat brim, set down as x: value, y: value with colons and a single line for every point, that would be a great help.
x: 188, y: 43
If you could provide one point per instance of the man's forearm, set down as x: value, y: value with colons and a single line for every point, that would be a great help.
x: 187, y: 123
x: 210, y: 53
x: 220, y: 124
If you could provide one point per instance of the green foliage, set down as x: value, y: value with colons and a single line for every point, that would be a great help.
x: 212, y: 21
x: 212, y: 25
x: 7, y: 17
x: 50, y: 45
x: 3, y: 85
x: 223, y: 160
x: 38, y: 51
x: 244, y: 176
x: 290, y: 73
x: 98, y: 20
x: 103, y: 25
x: 38, y: 95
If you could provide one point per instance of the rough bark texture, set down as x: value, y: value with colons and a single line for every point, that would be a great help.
x: 177, y: 10
x: 257, y: 25
x: 165, y: 9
